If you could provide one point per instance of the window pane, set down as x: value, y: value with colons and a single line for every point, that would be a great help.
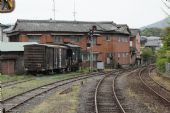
x: 34, y: 38
x: 58, y: 39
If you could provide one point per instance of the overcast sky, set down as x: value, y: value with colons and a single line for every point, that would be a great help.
x: 135, y: 13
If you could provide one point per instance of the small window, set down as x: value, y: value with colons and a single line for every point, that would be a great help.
x: 110, y: 55
x: 58, y: 39
x: 119, y: 39
x: 85, y: 57
x: 94, y: 40
x: 34, y: 38
x: 124, y: 54
x: 127, y: 54
x: 108, y: 38
x: 118, y: 55
x: 95, y: 57
x: 75, y: 38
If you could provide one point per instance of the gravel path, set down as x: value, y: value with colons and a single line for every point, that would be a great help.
x: 86, y: 97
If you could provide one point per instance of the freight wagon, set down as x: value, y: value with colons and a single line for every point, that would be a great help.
x: 48, y: 59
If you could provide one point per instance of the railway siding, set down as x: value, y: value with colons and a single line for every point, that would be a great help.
x: 155, y: 87
x: 14, y: 102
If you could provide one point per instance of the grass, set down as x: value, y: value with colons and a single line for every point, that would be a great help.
x: 162, y: 80
x: 8, y: 78
x: 57, y: 103
x: 38, y: 81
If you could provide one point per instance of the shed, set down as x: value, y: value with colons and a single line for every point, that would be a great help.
x: 11, y: 57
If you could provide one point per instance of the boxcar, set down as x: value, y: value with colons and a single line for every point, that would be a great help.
x: 47, y: 59
x: 44, y: 58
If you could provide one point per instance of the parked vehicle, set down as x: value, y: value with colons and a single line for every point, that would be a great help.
x: 48, y: 59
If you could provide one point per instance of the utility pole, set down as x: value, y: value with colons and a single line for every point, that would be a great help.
x: 74, y: 12
x: 54, y: 9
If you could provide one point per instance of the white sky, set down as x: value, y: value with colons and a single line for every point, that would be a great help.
x: 135, y: 13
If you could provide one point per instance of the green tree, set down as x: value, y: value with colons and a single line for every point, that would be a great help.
x: 163, y: 55
x: 152, y: 32
x: 147, y: 55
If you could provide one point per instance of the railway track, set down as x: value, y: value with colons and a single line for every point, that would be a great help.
x: 155, y: 87
x: 106, y: 99
x: 11, y: 83
x: 13, y: 102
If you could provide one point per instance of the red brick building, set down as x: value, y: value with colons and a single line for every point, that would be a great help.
x: 111, y: 42
x: 135, y: 46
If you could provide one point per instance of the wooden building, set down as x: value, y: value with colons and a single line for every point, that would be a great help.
x: 11, y: 57
x: 111, y: 42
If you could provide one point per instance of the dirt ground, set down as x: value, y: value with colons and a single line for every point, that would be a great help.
x: 137, y: 98
x: 86, y: 97
x: 161, y: 79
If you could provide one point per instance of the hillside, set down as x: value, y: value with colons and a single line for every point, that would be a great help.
x: 160, y: 24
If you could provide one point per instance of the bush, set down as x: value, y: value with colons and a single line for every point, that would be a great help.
x: 161, y: 64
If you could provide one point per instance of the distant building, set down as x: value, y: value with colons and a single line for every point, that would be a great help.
x: 143, y: 41
x: 11, y: 57
x: 135, y: 46
x: 3, y: 32
x: 5, y: 38
x: 153, y: 42
x: 111, y: 42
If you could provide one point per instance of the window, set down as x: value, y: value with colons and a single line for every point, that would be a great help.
x: 119, y: 39
x: 85, y: 57
x: 124, y: 54
x: 75, y: 38
x: 118, y: 55
x: 95, y: 57
x: 108, y: 37
x: 131, y: 43
x: 125, y: 39
x: 58, y: 39
x: 34, y: 38
x: 110, y: 55
x: 122, y: 39
x: 94, y: 40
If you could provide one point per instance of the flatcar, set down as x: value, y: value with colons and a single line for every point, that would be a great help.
x: 48, y: 59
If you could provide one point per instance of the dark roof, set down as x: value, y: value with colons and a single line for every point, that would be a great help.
x: 134, y: 32
x: 123, y: 28
x: 66, y: 26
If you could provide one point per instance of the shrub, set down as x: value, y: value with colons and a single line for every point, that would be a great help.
x: 161, y: 64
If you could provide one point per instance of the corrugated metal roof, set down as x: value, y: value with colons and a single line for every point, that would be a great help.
x: 13, y: 46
